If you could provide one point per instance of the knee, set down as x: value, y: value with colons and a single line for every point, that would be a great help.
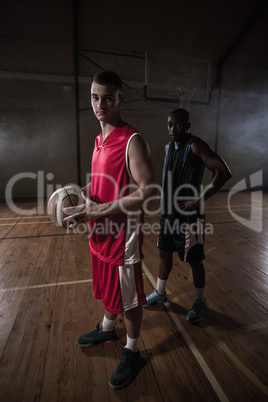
x: 165, y: 255
x: 197, y: 266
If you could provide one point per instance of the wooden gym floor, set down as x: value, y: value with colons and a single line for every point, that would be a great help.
x: 47, y: 302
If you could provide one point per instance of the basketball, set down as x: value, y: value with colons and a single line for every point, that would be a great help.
x: 68, y: 196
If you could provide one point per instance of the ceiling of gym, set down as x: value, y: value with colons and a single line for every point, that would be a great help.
x: 37, y: 36
x: 199, y: 29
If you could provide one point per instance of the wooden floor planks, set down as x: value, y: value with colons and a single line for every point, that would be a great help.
x: 46, y: 302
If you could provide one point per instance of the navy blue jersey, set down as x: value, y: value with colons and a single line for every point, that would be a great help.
x: 182, y: 180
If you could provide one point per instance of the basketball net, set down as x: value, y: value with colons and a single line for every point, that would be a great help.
x: 185, y: 95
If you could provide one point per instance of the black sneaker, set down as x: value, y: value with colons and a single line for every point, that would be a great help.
x: 126, y: 370
x: 97, y: 336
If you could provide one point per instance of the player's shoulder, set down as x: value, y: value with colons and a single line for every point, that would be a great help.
x: 125, y: 130
x: 199, y: 146
x: 137, y: 144
x: 168, y: 145
x: 197, y: 142
x: 128, y: 129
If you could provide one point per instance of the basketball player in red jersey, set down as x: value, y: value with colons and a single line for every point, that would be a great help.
x: 122, y: 179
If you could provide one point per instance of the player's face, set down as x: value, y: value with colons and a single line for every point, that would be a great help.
x: 177, y: 127
x: 106, y: 101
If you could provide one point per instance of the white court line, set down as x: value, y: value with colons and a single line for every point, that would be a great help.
x: 220, y: 211
x: 214, y: 383
x: 25, y: 217
x: 44, y: 285
x: 208, y: 209
x: 234, y: 210
x: 23, y: 223
x: 249, y: 374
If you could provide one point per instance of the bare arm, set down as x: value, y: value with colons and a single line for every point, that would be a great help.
x: 86, y: 189
x: 141, y: 169
x: 221, y: 172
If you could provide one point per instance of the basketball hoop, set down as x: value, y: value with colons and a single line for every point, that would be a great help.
x: 185, y: 95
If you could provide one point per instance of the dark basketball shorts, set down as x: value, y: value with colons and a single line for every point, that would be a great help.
x: 187, y: 239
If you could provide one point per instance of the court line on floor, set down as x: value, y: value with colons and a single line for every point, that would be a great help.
x: 46, y: 235
x: 212, y: 380
x: 252, y: 377
x: 44, y: 285
x: 246, y: 371
x: 25, y: 217
x: 208, y: 210
x: 214, y: 383
x: 23, y: 223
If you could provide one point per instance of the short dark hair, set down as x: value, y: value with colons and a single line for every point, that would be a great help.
x: 107, y: 77
x: 182, y: 111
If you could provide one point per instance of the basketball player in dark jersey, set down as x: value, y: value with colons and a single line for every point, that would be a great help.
x: 182, y: 217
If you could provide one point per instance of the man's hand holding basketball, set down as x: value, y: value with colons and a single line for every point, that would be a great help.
x: 83, y: 213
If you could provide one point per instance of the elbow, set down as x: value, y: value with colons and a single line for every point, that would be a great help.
x: 152, y: 191
x: 226, y: 175
x: 229, y: 175
x: 152, y: 197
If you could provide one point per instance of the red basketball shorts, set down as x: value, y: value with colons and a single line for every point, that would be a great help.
x: 120, y: 287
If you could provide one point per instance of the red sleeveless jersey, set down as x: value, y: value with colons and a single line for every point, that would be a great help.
x: 115, y: 239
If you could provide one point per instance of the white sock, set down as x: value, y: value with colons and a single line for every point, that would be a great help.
x: 161, y: 286
x: 107, y: 324
x: 199, y: 293
x: 132, y: 343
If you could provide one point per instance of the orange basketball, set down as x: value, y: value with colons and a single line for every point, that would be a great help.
x: 68, y: 196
